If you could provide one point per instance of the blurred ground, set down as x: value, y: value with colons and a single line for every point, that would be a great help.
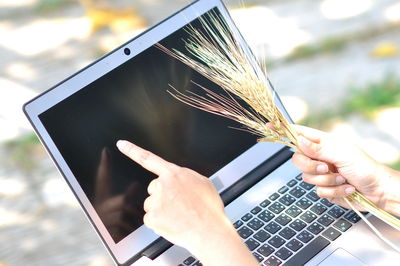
x: 334, y: 62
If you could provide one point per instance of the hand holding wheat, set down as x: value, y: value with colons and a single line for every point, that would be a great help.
x: 217, y: 54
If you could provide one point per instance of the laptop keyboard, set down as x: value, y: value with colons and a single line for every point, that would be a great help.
x: 291, y: 225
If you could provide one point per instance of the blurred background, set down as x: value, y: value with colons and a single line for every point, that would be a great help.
x: 335, y: 64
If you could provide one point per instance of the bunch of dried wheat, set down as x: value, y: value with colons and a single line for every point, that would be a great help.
x: 217, y: 54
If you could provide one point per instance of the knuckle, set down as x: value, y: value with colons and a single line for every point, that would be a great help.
x: 153, y: 186
x: 146, y: 205
x: 310, y: 164
x: 295, y: 158
x: 147, y: 220
x: 317, y: 149
x: 306, y: 177
x: 144, y: 156
x: 177, y: 171
x: 320, y: 192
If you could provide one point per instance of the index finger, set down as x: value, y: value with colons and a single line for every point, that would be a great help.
x: 145, y: 158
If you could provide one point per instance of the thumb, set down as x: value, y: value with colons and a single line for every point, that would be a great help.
x: 315, y: 144
x: 311, y: 149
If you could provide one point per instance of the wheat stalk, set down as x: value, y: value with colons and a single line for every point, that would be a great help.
x: 217, y: 55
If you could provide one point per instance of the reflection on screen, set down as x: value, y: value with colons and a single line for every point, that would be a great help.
x: 131, y: 102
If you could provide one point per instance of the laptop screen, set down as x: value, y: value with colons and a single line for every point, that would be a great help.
x: 131, y: 102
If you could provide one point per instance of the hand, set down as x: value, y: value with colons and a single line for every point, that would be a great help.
x: 338, y: 167
x: 185, y: 208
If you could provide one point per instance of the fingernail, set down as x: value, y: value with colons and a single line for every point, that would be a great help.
x: 322, y: 168
x: 303, y: 141
x: 339, y: 180
x: 349, y: 190
x: 121, y: 144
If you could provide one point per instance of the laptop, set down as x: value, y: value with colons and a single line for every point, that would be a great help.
x: 123, y: 95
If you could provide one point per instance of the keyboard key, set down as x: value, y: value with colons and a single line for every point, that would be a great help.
x: 283, y: 219
x: 355, y: 218
x: 305, y: 236
x: 342, y: 225
x: 313, y: 196
x: 349, y: 215
x: 247, y: 217
x: 298, y: 225
x: 318, y: 208
x: 283, y: 189
x: 304, y: 203
x: 266, y: 250
x: 352, y: 216
x: 255, y: 224
x: 331, y: 233
x: 197, y: 263
x: 238, y: 224
x: 325, y: 220
x: 315, y: 228
x: 299, y: 178
x: 256, y: 210
x: 306, y: 185
x: 287, y: 200
x: 272, y: 261
x: 261, y: 236
x: 294, y: 244
x: 245, y: 232
x: 293, y: 211
x: 283, y: 253
x: 276, y: 207
x: 274, y: 196
x: 287, y: 233
x: 276, y: 241
x: 291, y: 183
x: 272, y: 227
x: 297, y: 192
x: 308, y: 217
x: 266, y: 216
x: 308, y: 252
x: 326, y: 202
x: 252, y: 244
x: 336, y: 212
x: 189, y: 260
x: 265, y: 203
x: 258, y: 257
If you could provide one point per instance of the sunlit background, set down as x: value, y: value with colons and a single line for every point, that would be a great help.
x: 336, y: 64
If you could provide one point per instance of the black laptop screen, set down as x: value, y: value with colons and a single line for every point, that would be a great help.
x: 131, y: 102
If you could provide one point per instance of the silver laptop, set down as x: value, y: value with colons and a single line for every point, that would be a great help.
x: 124, y: 95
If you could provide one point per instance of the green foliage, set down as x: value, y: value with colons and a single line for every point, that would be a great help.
x: 328, y: 45
x: 24, y: 150
x: 50, y: 5
x: 395, y: 165
x: 368, y: 100
x: 364, y: 101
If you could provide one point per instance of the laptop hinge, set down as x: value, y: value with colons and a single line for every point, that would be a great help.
x: 156, y: 248
x: 250, y: 179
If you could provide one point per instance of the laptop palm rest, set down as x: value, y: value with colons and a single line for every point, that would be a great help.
x: 341, y: 257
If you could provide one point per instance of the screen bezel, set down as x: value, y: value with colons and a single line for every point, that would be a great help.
x: 142, y: 237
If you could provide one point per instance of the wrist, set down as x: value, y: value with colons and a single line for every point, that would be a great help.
x: 211, y: 236
x: 223, y: 246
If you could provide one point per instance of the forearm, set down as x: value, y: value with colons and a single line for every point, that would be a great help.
x: 224, y: 247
